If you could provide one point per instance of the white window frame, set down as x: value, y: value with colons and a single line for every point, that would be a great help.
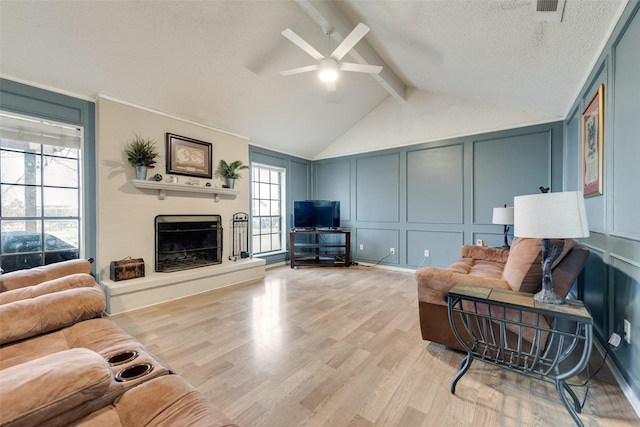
x: 282, y: 199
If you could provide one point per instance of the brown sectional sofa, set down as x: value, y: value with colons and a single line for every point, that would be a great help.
x: 62, y: 364
x: 517, y: 270
x: 168, y: 401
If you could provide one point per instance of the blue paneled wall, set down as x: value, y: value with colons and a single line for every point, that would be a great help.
x: 437, y: 196
x: 611, y: 286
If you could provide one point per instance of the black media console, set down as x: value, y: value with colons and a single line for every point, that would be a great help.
x: 320, y: 247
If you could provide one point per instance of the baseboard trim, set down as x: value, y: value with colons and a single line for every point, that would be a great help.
x: 276, y: 264
x: 386, y: 267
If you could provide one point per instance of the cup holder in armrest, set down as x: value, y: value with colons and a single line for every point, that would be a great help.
x: 122, y: 357
x: 133, y: 372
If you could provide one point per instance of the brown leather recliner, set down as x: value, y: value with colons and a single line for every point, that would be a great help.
x: 517, y: 270
x: 61, y: 364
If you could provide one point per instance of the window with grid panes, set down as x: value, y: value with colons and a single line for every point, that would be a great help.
x: 40, y: 208
x: 267, y: 213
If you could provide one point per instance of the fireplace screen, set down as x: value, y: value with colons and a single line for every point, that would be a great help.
x: 187, y: 241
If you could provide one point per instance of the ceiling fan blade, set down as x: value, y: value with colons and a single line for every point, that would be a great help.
x: 360, y: 68
x: 331, y: 86
x: 298, y: 70
x: 350, y: 41
x: 298, y: 41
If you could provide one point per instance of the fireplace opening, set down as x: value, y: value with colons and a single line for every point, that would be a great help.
x: 187, y: 241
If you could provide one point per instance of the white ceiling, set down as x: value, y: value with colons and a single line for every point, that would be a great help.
x: 469, y: 66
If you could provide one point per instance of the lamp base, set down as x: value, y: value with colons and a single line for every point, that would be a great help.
x: 506, y: 246
x: 547, y: 296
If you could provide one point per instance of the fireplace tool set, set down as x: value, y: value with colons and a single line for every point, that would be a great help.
x: 239, y: 236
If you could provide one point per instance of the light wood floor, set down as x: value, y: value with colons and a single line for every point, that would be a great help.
x: 342, y: 347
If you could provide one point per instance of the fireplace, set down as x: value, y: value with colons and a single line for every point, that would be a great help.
x: 187, y: 241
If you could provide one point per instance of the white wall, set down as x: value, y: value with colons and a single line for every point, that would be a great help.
x: 126, y: 214
x: 428, y: 116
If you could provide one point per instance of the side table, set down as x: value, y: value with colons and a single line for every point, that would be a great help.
x: 495, y: 321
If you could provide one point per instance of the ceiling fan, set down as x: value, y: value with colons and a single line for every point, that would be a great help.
x: 330, y: 65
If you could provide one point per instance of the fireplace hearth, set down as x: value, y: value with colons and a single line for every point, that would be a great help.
x: 187, y: 241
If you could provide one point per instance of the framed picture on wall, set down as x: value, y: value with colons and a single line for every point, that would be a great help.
x: 187, y: 156
x: 592, y: 145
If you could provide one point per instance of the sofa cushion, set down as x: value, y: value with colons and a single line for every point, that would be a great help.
x: 35, y: 391
x: 523, y: 270
x: 79, y: 280
x: 484, y: 253
x: 26, y: 318
x: 33, y: 276
x: 168, y: 401
x: 435, y: 283
x: 99, y: 335
x: 116, y: 388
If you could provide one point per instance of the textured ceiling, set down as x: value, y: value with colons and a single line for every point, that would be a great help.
x: 470, y: 66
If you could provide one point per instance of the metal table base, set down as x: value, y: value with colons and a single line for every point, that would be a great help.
x: 511, y: 330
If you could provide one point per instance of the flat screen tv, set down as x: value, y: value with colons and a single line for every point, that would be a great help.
x: 316, y: 214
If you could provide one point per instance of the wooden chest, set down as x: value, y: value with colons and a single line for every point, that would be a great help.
x: 127, y: 268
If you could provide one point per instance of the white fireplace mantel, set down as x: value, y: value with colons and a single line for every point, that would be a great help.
x: 164, y: 187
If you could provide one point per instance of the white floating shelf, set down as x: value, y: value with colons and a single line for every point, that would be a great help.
x: 163, y: 187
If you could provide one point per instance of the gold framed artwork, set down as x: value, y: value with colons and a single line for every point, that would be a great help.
x: 593, y: 145
x: 188, y: 156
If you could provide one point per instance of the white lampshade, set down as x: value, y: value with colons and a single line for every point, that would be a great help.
x: 503, y: 216
x: 550, y: 216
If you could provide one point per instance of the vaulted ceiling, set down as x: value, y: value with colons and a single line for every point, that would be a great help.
x: 451, y: 67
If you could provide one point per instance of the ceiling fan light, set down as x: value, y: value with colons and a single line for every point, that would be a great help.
x: 328, y: 75
x: 328, y: 70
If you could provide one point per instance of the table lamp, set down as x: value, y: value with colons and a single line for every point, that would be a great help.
x: 550, y: 216
x: 503, y: 216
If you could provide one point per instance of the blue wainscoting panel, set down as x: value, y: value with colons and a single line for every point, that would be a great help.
x: 507, y: 167
x: 378, y: 188
x: 573, y: 153
x: 444, y: 247
x: 298, y: 184
x: 332, y: 182
x: 626, y: 300
x: 595, y: 290
x: 376, y: 243
x: 435, y: 185
x: 626, y: 106
x: 492, y: 239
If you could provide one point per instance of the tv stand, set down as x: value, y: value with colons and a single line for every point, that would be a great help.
x: 313, y: 252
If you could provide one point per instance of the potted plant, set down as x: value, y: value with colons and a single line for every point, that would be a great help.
x: 229, y: 171
x: 141, y: 153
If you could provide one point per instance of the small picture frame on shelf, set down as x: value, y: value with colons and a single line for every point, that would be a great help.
x: 188, y: 156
